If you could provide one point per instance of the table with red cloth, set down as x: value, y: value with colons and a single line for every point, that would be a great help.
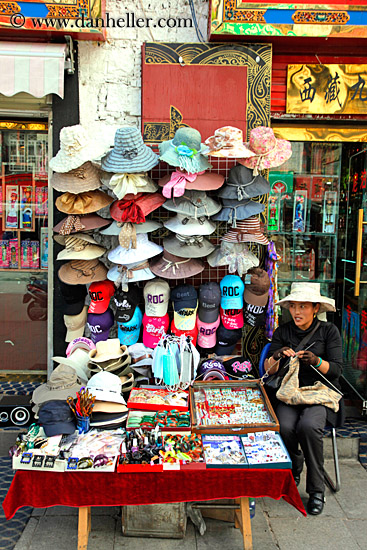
x: 84, y: 489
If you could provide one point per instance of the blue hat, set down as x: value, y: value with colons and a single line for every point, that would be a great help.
x: 232, y: 289
x: 128, y: 333
x: 238, y: 210
x: 129, y: 154
x: 56, y: 418
x: 185, y: 150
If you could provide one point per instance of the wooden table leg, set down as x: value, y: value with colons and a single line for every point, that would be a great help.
x: 243, y: 520
x: 84, y: 526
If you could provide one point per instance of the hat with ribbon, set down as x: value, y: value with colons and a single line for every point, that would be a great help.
x: 307, y: 292
x: 227, y: 142
x: 129, y: 154
x: 247, y: 231
x: 233, y: 211
x: 184, y: 225
x: 146, y: 227
x: 186, y: 246
x: 83, y: 203
x: 131, y: 273
x: 236, y: 256
x: 242, y: 184
x: 125, y: 184
x: 193, y: 204
x: 79, y: 246
x: 174, y: 184
x: 185, y: 150
x: 76, y: 148
x: 270, y: 152
x: 79, y: 272
x: 169, y: 266
x: 144, y: 249
x: 75, y: 224
x: 136, y: 209
x: 79, y: 180
x: 62, y: 383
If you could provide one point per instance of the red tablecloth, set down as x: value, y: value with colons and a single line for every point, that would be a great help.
x: 45, y: 489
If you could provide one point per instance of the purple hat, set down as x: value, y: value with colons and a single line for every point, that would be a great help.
x: 212, y: 369
x: 100, y: 324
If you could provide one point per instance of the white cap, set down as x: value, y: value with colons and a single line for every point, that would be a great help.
x: 156, y: 296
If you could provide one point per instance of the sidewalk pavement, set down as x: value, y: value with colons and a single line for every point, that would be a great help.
x: 276, y: 525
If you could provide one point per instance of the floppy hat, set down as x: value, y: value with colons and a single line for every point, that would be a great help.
x: 169, y: 266
x: 130, y: 273
x: 185, y: 246
x: 76, y: 148
x: 100, y: 325
x: 231, y: 288
x: 73, y: 298
x: 185, y: 305
x: 76, y: 223
x: 156, y: 296
x: 242, y: 184
x: 79, y: 272
x: 100, y: 294
x: 79, y: 343
x: 308, y: 292
x: 63, y: 382
x: 75, y: 325
x: 134, y: 210
x: 78, y: 360
x: 79, y: 246
x: 175, y: 184
x: 233, y: 211
x: 189, y: 226
x: 56, y: 418
x: 146, y: 227
x: 83, y: 203
x: 126, y: 184
x: 106, y: 350
x: 227, y: 142
x: 153, y: 329
x: 235, y: 255
x: 246, y: 231
x: 227, y: 340
x: 129, y: 331
x: 209, y: 302
x: 106, y: 386
x: 84, y: 178
x: 129, y: 153
x: 193, y: 204
x: 207, y: 333
x: 144, y: 249
x: 126, y: 302
x: 185, y: 150
x: 270, y: 152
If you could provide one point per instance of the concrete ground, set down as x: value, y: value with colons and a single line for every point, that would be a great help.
x: 276, y: 525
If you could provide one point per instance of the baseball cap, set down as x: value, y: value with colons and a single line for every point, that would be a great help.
x: 128, y: 333
x: 56, y: 418
x: 73, y: 298
x: 193, y: 332
x: 232, y: 288
x: 232, y: 318
x: 212, y: 369
x: 100, y: 325
x: 207, y: 336
x: 156, y: 296
x: 209, y: 302
x: 237, y: 366
x: 226, y: 340
x: 80, y: 343
x: 75, y: 325
x: 185, y: 303
x: 126, y: 302
x: 154, y: 329
x: 100, y: 294
x: 256, y: 297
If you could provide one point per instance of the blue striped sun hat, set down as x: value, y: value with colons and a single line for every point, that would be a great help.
x: 129, y: 154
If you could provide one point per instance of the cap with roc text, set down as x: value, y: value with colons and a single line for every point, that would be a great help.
x: 256, y: 297
x: 207, y: 333
x: 128, y: 333
x: 100, y: 325
x: 193, y: 333
x: 231, y: 318
x: 232, y: 288
x: 226, y: 340
x: 209, y: 302
x: 126, y: 303
x: 154, y: 329
x: 100, y: 294
x: 156, y: 296
x: 185, y: 303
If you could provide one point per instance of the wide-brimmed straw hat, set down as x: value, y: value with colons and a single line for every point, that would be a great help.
x: 129, y: 154
x: 83, y: 203
x: 188, y: 246
x: 144, y: 249
x: 76, y: 148
x: 227, y: 142
x: 135, y: 210
x: 242, y: 184
x: 79, y: 246
x: 80, y: 272
x: 193, y: 204
x: 146, y: 227
x: 247, y: 231
x: 185, y: 225
x: 308, y: 292
x: 235, y: 210
x: 185, y: 150
x: 169, y: 266
x: 107, y: 350
x: 126, y: 184
x: 270, y: 152
x: 175, y: 184
x: 75, y: 223
x: 79, y: 180
x: 130, y: 273
x: 236, y: 256
x: 62, y: 383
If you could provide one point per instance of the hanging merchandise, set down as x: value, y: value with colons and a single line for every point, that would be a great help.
x: 184, y: 225
x: 78, y: 272
x: 129, y: 154
x: 79, y: 246
x: 185, y: 151
x: 193, y: 204
x: 247, y: 231
x: 143, y: 250
x: 129, y: 184
x: 130, y: 273
x: 209, y: 302
x: 83, y: 203
x: 135, y: 209
x: 299, y: 212
x: 274, y: 212
x: 231, y: 304
x: 82, y: 179
x: 242, y: 184
x: 329, y: 212
x: 73, y: 298
x: 175, y: 184
x: 75, y: 324
x: 234, y: 255
x: 185, y: 305
x: 227, y: 142
x: 156, y: 296
x: 256, y: 296
x: 129, y: 331
x: 170, y: 266
x: 175, y: 362
x: 271, y: 266
x: 193, y: 334
x: 75, y: 224
x: 100, y: 294
x: 270, y: 152
x: 100, y: 325
x: 154, y: 328
x: 185, y: 246
x: 146, y: 227
x: 238, y: 210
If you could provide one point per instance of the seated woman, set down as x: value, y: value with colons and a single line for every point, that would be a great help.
x: 303, y: 425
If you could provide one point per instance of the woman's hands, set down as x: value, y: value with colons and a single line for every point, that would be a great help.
x: 283, y: 352
x: 308, y: 358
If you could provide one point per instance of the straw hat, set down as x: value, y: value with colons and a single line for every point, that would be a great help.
x: 107, y: 350
x: 83, y: 203
x: 247, y: 231
x: 307, y: 292
x: 75, y: 223
x: 76, y: 148
x: 242, y: 184
x: 144, y: 249
x: 79, y: 246
x: 193, y: 204
x: 270, y: 152
x: 227, y: 142
x: 234, y: 210
x: 125, y: 184
x: 185, y: 225
x: 79, y: 180
x: 175, y: 184
x: 129, y: 154
x: 185, y: 246
x: 185, y: 150
x: 170, y: 266
x: 146, y: 227
x: 79, y: 272
x: 62, y: 383
x: 236, y: 256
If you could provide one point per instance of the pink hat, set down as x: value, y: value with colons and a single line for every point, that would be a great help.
x: 270, y: 152
x: 227, y: 142
x: 175, y: 184
x: 207, y: 333
x: 154, y: 329
x: 231, y: 318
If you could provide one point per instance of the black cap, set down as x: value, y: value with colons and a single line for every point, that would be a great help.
x: 238, y: 366
x: 209, y: 302
x: 73, y: 298
x: 126, y: 303
x: 227, y: 340
x: 184, y: 296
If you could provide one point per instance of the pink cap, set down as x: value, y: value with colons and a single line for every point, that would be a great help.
x: 232, y: 318
x: 207, y: 335
x: 154, y: 329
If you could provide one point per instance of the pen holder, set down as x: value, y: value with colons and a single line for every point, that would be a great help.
x: 83, y: 424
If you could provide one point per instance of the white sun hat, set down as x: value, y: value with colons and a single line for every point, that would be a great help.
x: 146, y: 227
x: 190, y: 226
x: 307, y: 292
x: 131, y: 273
x: 144, y: 249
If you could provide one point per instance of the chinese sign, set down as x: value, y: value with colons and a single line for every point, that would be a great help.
x: 327, y: 89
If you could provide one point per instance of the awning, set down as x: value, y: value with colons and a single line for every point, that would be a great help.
x: 37, y: 69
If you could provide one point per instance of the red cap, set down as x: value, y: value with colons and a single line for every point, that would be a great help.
x: 100, y: 294
x: 231, y: 318
x: 193, y: 332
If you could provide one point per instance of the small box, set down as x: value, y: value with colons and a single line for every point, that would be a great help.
x: 35, y: 252
x: 158, y: 399
x: 224, y: 451
x: 13, y: 253
x: 265, y: 450
x: 4, y: 258
x: 25, y: 255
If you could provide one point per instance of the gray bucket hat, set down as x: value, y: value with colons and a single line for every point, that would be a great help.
x: 129, y: 154
x: 234, y: 210
x: 193, y: 204
x: 186, y: 246
x: 62, y: 383
x: 185, y: 150
x: 242, y: 184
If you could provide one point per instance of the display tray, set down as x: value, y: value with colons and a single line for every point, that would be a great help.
x: 219, y: 407
x: 137, y: 414
x: 158, y: 399
x: 101, y: 469
x: 265, y: 450
x: 58, y: 466
x: 224, y: 451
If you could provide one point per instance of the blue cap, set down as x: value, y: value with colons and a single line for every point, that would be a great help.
x: 128, y: 333
x: 232, y: 289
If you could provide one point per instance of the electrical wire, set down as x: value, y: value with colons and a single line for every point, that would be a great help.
x: 197, y: 30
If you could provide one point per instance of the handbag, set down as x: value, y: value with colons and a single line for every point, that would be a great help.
x: 318, y: 394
